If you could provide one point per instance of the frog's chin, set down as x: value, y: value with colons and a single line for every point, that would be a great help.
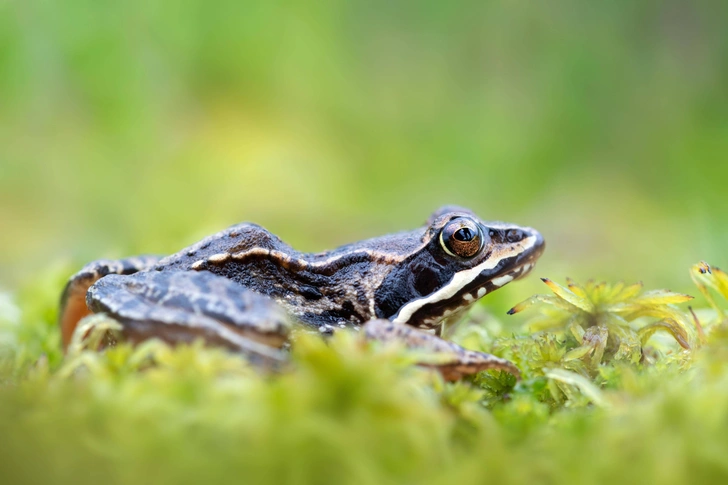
x: 469, y: 297
x: 461, y: 302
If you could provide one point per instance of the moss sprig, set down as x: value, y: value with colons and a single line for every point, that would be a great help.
x: 606, y: 322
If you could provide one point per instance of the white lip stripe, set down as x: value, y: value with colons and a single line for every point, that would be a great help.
x: 458, y: 281
x: 502, y: 280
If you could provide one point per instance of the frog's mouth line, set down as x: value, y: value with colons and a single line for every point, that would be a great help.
x: 469, y: 285
x: 518, y: 267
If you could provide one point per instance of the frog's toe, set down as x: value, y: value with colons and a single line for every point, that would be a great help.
x: 453, y: 361
x: 180, y: 307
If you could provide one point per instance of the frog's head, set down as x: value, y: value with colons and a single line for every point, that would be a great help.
x: 459, y: 259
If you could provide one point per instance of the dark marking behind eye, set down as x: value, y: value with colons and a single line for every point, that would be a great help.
x: 426, y: 281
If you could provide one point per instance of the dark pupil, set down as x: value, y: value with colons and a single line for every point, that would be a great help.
x: 464, y: 234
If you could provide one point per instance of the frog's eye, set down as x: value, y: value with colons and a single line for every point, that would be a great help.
x: 461, y: 237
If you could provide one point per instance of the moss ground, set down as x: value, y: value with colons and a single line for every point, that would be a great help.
x: 354, y: 413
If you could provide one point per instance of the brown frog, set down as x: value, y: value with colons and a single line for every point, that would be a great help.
x: 242, y: 287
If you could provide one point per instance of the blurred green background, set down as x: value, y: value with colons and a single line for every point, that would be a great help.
x: 139, y: 127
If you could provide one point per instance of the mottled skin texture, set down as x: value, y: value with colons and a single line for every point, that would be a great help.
x: 239, y: 285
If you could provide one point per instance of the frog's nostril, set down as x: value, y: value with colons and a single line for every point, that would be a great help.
x: 514, y: 235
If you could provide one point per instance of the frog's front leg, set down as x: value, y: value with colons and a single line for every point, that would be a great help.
x: 180, y: 306
x: 453, y: 361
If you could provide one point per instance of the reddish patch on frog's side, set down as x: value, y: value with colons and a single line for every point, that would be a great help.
x: 74, y: 309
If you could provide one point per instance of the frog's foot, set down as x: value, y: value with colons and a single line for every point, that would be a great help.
x: 180, y: 307
x: 453, y: 361
x: 73, y: 300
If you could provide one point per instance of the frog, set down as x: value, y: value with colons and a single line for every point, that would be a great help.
x: 244, y: 289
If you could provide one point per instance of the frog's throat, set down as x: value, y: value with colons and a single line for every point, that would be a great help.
x: 529, y: 246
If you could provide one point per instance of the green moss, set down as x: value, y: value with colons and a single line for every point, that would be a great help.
x: 352, y: 413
